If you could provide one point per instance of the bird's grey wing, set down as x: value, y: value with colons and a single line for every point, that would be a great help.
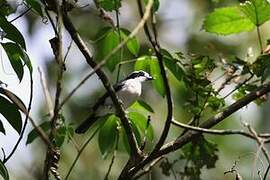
x: 88, y: 122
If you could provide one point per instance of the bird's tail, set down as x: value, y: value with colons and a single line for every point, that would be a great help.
x: 85, y: 125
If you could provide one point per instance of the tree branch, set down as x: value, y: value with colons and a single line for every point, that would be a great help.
x: 157, y: 50
x: 181, y: 141
x: 135, y: 152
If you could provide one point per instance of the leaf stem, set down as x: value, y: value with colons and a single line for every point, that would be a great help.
x: 259, y: 38
x: 80, y: 152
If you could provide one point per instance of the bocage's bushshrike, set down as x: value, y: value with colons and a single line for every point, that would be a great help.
x: 127, y: 90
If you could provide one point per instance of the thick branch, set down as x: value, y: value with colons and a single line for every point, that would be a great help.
x: 157, y: 50
x: 119, y: 109
x: 181, y: 141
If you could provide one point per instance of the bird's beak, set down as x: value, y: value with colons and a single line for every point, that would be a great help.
x: 150, y: 78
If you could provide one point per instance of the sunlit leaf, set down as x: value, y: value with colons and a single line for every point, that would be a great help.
x: 108, y: 135
x: 141, y: 105
x: 12, y: 32
x: 228, y: 20
x: 258, y: 11
x: 11, y: 113
x: 109, y: 5
x: 105, y: 47
x: 45, y: 126
x: 172, y: 65
x: 156, y: 74
x: 133, y: 44
x: 140, y: 122
x: 155, y: 5
x: 3, y: 171
x: 143, y: 63
x: 137, y: 134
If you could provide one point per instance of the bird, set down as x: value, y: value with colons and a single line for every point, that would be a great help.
x: 127, y: 90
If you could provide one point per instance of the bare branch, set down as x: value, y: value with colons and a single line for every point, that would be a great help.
x: 181, y: 141
x: 135, y: 152
x: 46, y: 92
x: 80, y: 152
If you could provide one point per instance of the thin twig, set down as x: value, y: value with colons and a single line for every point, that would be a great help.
x: 114, y: 155
x: 260, y: 142
x: 25, y: 121
x: 238, y: 86
x: 96, y: 67
x: 80, y: 152
x: 68, y: 50
x: 22, y: 14
x: 157, y: 50
x: 216, y: 119
x: 149, y: 168
x: 46, y: 92
x: 22, y: 107
x: 135, y: 152
x: 266, y: 172
x: 58, y: 52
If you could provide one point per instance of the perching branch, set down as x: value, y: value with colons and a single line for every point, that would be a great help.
x: 135, y: 152
x: 181, y: 141
x: 158, y: 53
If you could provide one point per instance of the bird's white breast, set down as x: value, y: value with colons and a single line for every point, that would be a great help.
x: 128, y: 94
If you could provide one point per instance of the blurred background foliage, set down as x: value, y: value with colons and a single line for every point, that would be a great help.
x: 180, y: 30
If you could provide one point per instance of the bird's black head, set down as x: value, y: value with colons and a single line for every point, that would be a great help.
x: 141, y: 75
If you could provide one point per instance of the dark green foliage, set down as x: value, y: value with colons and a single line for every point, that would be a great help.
x: 108, y: 135
x: 109, y: 5
x: 109, y: 39
x: 3, y: 171
x: 198, y: 154
x: 12, y: 33
x: 11, y: 113
x: 2, y: 130
x: 45, y: 126
x: 36, y: 5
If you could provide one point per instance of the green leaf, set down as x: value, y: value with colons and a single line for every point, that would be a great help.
x: 261, y: 66
x: 2, y: 129
x: 13, y: 97
x: 11, y: 113
x: 143, y: 63
x: 133, y: 44
x: 137, y: 136
x: 36, y: 5
x: 228, y: 20
x: 105, y: 47
x: 201, y: 153
x: 156, y: 74
x: 3, y: 171
x: 172, y: 65
x: 142, y: 104
x: 12, y: 33
x: 14, y: 55
x: 6, y: 9
x: 109, y: 5
x: 27, y: 61
x: 140, y: 122
x: 155, y: 5
x: 45, y: 126
x: 258, y: 11
x: 60, y: 137
x: 108, y: 136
